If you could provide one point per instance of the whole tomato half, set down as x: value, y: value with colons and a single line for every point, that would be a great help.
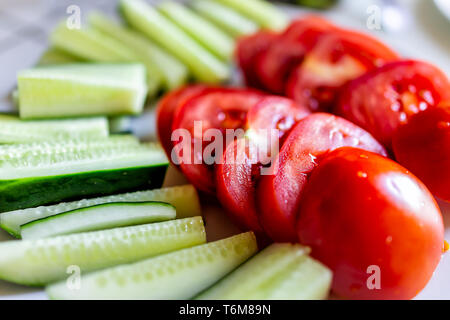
x: 373, y: 223
x: 382, y: 99
x: 238, y: 172
x: 423, y: 146
x: 339, y: 57
x: 219, y: 109
x: 313, y: 137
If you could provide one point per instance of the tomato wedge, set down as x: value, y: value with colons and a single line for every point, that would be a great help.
x: 373, y: 223
x: 382, y: 99
x: 276, y: 64
x: 220, y: 109
x: 314, y: 136
x: 249, y: 50
x: 237, y: 174
x: 423, y: 146
x: 166, y: 109
x: 340, y: 56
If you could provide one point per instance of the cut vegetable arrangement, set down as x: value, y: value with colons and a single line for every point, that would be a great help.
x: 42, y: 261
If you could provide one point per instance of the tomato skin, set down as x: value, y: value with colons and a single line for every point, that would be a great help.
x: 249, y: 50
x: 279, y: 194
x: 224, y: 108
x: 166, y: 109
x: 238, y: 172
x: 360, y: 210
x: 381, y: 100
x: 339, y: 57
x: 276, y: 63
x: 423, y: 146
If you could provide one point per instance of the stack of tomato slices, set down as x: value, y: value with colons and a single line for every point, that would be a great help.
x: 318, y: 166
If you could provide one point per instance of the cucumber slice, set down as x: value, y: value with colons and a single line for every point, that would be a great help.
x: 177, y: 275
x: 183, y: 198
x: 262, y: 12
x: 206, y: 33
x: 20, y: 150
x: 43, y: 261
x: 32, y: 180
x: 99, y: 217
x: 14, y: 130
x: 281, y: 271
x: 204, y: 66
x: 81, y: 90
x: 173, y: 72
x: 57, y: 56
x: 229, y: 20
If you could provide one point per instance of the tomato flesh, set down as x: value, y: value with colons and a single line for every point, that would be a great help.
x: 423, y: 146
x: 221, y: 109
x: 314, y: 136
x: 340, y: 56
x: 373, y: 223
x: 382, y: 99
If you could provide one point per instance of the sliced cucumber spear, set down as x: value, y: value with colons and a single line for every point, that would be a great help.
x: 262, y: 12
x: 43, y: 261
x: 14, y: 130
x: 206, y: 33
x: 92, y: 45
x: 183, y: 198
x: 57, y: 56
x: 229, y: 20
x: 177, y: 275
x: 34, y: 180
x: 173, y: 72
x: 281, y: 271
x: 99, y: 217
x: 204, y: 65
x: 81, y: 90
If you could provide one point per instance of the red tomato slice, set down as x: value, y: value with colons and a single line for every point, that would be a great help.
x: 166, y: 109
x: 423, y: 146
x: 221, y: 109
x: 373, y: 223
x: 382, y: 99
x: 249, y: 50
x: 279, y: 194
x: 276, y: 64
x: 238, y: 173
x: 339, y: 57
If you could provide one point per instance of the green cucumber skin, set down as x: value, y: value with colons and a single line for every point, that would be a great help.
x: 33, y: 192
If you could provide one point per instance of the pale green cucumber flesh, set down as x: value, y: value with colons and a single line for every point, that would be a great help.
x: 183, y: 198
x: 43, y: 261
x: 81, y: 90
x: 177, y: 275
x: 204, y: 65
x: 206, y: 33
x: 14, y: 130
x: 172, y: 71
x: 229, y: 20
x: 99, y: 217
x: 262, y: 12
x: 56, y: 56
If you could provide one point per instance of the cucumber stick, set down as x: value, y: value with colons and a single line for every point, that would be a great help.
x: 281, y: 271
x: 57, y: 56
x: 262, y: 12
x: 225, y: 18
x: 99, y: 217
x: 173, y: 72
x: 206, y: 33
x: 92, y: 45
x: 177, y: 275
x: 43, y: 261
x: 203, y: 64
x: 183, y: 198
x: 34, y: 180
x: 14, y: 130
x: 81, y: 90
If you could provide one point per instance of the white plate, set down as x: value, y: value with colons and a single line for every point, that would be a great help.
x: 444, y: 7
